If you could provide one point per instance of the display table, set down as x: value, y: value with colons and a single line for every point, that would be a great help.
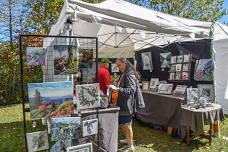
x: 108, y: 126
x: 194, y: 119
x: 162, y: 110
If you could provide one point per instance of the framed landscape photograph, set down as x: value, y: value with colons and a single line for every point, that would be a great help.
x: 207, y: 91
x: 88, y: 96
x: 153, y: 83
x: 81, y: 148
x: 65, y: 128
x: 37, y: 141
x: 50, y: 99
x: 165, y: 88
x: 145, y: 85
x: 192, y: 95
x: 90, y: 127
x: 147, y: 61
x: 165, y: 59
x: 173, y: 59
x: 35, y: 56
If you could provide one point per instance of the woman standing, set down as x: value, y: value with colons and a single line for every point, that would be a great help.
x: 129, y: 99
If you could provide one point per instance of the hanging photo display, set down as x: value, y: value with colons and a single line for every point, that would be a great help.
x: 90, y: 127
x: 61, y: 145
x: 173, y: 59
x: 88, y: 96
x: 187, y: 58
x: 114, y: 68
x: 180, y: 59
x: 204, y: 70
x: 85, y: 58
x: 153, y: 83
x: 185, y: 76
x: 173, y: 68
x: 165, y: 88
x: 50, y: 99
x: 192, y: 95
x: 165, y: 59
x: 180, y: 89
x: 35, y: 56
x: 147, y: 61
x: 206, y: 91
x: 172, y: 76
x: 178, y: 67
x: 178, y: 75
x: 65, y: 59
x: 81, y: 148
x: 65, y: 128
x: 185, y: 67
x: 37, y: 141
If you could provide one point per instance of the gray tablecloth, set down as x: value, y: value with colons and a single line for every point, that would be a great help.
x: 108, y: 127
x: 195, y: 118
x: 164, y: 110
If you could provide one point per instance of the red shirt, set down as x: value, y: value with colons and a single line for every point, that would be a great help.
x: 103, y: 78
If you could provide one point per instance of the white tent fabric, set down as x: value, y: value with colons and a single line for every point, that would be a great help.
x: 125, y: 28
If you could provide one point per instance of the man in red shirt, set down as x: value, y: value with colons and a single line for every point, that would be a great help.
x: 104, y: 75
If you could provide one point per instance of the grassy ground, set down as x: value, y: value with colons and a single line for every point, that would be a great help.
x: 147, y: 139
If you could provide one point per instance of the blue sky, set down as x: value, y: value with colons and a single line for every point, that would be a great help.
x: 224, y: 18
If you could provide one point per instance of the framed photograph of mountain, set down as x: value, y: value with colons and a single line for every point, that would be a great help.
x: 186, y: 67
x: 114, y: 68
x: 180, y: 59
x: 65, y: 59
x: 165, y: 88
x: 192, y: 95
x: 204, y: 70
x: 172, y: 76
x: 147, y: 61
x: 185, y: 76
x: 90, y: 127
x: 35, y: 56
x: 180, y: 89
x: 153, y: 83
x: 88, y: 96
x: 165, y: 60
x: 173, y: 59
x: 178, y: 75
x: 178, y: 67
x: 65, y: 128
x: 50, y: 99
x: 81, y: 148
x: 187, y: 58
x: 37, y: 141
x: 145, y: 85
x: 207, y: 91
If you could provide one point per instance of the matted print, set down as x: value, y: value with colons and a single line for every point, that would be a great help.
x: 192, y: 95
x: 204, y: 70
x: 178, y: 67
x: 147, y: 61
x: 173, y: 68
x: 206, y: 91
x: 35, y: 56
x: 81, y: 148
x: 185, y: 76
x: 114, y: 68
x: 145, y: 85
x: 172, y: 76
x: 37, y: 141
x: 86, y: 58
x: 90, y: 127
x: 187, y: 58
x: 180, y: 59
x: 173, y: 59
x: 153, y: 83
x: 165, y: 88
x: 165, y: 59
x: 186, y: 67
x: 65, y: 59
x: 180, y: 89
x: 88, y: 96
x: 61, y: 145
x: 65, y: 128
x: 50, y: 99
x: 178, y: 75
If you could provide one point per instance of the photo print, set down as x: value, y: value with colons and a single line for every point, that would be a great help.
x: 147, y: 61
x: 187, y: 58
x: 180, y: 59
x: 88, y: 147
x: 85, y: 58
x: 65, y: 128
x: 90, y: 127
x: 206, y: 91
x: 185, y: 76
x: 65, y: 59
x: 172, y: 76
x: 114, y: 68
x: 165, y: 59
x: 180, y: 89
x: 165, y: 88
x: 35, y: 56
x: 178, y: 75
x: 50, y: 99
x: 178, y: 67
x: 173, y: 59
x: 37, y: 141
x: 186, y: 67
x: 192, y: 95
x: 204, y: 70
x: 61, y: 145
x: 88, y: 96
x: 173, y: 68
x: 153, y: 83
x: 145, y: 85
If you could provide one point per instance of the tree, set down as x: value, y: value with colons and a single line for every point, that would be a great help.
x: 203, y: 10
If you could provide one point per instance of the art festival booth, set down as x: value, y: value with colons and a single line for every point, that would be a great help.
x: 181, y: 51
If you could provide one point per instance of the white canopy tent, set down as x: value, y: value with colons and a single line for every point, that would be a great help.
x: 123, y: 28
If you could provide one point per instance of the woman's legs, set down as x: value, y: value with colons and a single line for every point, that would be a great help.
x: 129, y: 133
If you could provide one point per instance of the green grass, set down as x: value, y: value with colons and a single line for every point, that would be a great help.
x: 147, y: 139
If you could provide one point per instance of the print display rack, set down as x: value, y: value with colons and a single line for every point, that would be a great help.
x: 46, y: 60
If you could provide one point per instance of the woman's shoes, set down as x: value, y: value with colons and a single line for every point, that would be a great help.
x: 128, y: 148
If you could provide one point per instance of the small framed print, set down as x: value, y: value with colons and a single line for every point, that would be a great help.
x: 180, y: 89
x: 172, y: 76
x: 178, y: 75
x: 185, y: 76
x: 165, y: 88
x: 178, y: 67
x: 207, y: 91
x: 192, y: 95
x: 90, y: 127
x: 173, y: 68
x: 81, y: 148
x: 114, y: 68
x: 173, y: 59
x: 180, y: 59
x: 186, y: 67
x: 187, y: 58
x: 145, y: 85
x: 153, y: 83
